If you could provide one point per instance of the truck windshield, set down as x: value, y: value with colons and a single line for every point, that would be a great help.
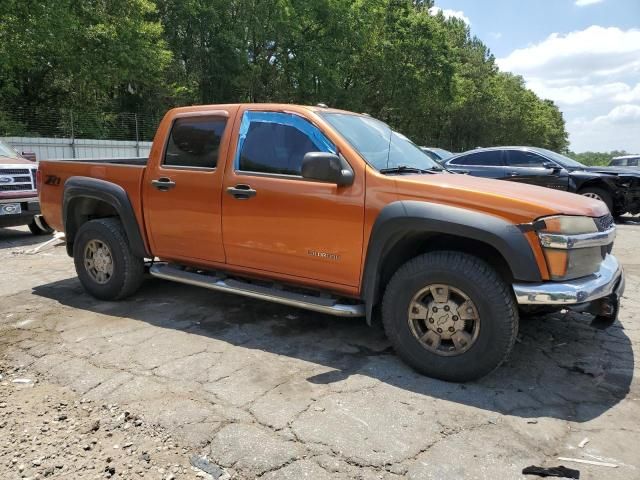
x: 7, y: 151
x: 381, y: 147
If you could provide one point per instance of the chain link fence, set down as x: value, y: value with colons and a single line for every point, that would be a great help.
x: 68, y: 133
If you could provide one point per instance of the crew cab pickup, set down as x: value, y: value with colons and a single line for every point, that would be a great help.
x: 335, y: 212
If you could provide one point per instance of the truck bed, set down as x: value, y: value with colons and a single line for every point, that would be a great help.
x: 128, y: 173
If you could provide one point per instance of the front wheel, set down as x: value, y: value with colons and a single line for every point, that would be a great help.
x: 450, y: 316
x: 106, y: 267
x: 39, y: 229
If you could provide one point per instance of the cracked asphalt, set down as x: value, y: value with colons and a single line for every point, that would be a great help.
x: 268, y: 391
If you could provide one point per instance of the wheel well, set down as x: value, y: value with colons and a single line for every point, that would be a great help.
x: 82, y: 209
x: 417, y: 244
x: 595, y: 183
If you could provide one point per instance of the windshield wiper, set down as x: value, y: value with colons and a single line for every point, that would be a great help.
x: 404, y: 169
x: 408, y: 169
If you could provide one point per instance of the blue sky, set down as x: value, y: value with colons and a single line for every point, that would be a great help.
x: 583, y: 54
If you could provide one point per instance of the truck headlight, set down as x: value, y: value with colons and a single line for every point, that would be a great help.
x: 573, y: 246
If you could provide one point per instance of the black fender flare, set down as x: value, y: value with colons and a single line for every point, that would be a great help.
x: 397, y: 219
x: 114, y: 195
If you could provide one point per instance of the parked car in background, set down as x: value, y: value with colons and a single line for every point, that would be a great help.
x: 334, y: 212
x: 617, y: 187
x: 18, y: 193
x: 437, y: 154
x: 632, y: 161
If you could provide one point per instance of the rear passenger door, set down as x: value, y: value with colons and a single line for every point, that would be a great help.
x: 529, y: 167
x: 488, y: 164
x: 276, y: 221
x: 182, y: 190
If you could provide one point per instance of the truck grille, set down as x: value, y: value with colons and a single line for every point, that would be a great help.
x: 604, y: 223
x: 17, y: 179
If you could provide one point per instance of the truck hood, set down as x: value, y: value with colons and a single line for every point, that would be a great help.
x: 610, y: 171
x: 14, y: 161
x: 516, y: 202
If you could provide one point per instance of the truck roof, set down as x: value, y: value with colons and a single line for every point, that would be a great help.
x: 270, y: 106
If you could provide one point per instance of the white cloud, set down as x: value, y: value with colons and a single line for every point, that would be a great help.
x: 584, y: 3
x: 448, y: 13
x: 621, y: 114
x: 616, y: 130
x: 629, y: 94
x: 588, y: 73
x: 496, y: 35
x: 595, y: 51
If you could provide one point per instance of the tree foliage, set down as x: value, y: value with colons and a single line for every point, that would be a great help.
x: 597, y: 158
x: 424, y: 74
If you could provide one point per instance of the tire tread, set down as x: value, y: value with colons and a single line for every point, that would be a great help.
x: 133, y: 274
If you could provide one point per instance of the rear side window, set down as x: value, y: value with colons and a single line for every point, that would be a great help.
x: 619, y: 162
x: 485, y: 159
x: 633, y: 162
x: 195, y: 142
x: 518, y: 158
x: 273, y: 142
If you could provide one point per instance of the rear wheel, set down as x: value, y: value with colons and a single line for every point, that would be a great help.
x: 450, y: 316
x: 37, y: 230
x: 106, y: 267
x: 598, y: 194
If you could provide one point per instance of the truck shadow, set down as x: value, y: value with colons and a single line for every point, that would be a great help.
x: 17, y: 237
x: 561, y: 367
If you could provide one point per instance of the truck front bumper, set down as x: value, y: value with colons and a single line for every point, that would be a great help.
x: 598, y: 293
x: 28, y: 208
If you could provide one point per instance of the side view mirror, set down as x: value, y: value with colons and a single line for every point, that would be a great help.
x: 553, y: 166
x: 326, y: 167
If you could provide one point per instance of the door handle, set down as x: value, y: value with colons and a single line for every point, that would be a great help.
x: 242, y: 192
x: 462, y: 172
x: 163, y: 184
x: 514, y: 174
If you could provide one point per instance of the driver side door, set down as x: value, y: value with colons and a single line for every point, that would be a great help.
x: 529, y: 167
x: 276, y: 221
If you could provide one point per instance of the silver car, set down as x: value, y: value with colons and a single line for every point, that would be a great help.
x: 632, y: 161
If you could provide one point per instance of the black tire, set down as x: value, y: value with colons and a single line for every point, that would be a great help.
x: 494, y: 301
x: 36, y: 230
x: 128, y: 270
x: 603, y: 194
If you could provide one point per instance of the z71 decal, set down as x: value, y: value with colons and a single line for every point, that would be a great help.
x: 52, y: 180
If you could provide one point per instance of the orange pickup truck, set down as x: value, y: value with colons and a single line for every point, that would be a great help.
x: 335, y: 212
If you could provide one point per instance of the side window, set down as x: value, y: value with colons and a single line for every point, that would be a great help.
x: 271, y: 142
x: 633, y: 162
x: 485, y: 159
x: 194, y: 142
x: 519, y: 158
x: 619, y: 162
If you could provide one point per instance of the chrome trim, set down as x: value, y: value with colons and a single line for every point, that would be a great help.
x: 608, y: 279
x: 308, y: 302
x: 21, y: 166
x: 33, y: 199
x: 30, y: 168
x: 584, y: 240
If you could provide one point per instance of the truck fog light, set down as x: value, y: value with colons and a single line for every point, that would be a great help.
x: 569, y: 264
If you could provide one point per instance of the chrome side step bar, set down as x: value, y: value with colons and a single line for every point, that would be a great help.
x: 309, y: 302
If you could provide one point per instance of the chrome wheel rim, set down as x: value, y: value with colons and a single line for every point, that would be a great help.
x: 592, y: 195
x: 98, y: 261
x: 444, y: 320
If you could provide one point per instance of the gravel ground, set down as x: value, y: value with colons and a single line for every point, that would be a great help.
x: 266, y: 391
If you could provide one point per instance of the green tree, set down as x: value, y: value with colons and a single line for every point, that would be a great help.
x: 57, y: 55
